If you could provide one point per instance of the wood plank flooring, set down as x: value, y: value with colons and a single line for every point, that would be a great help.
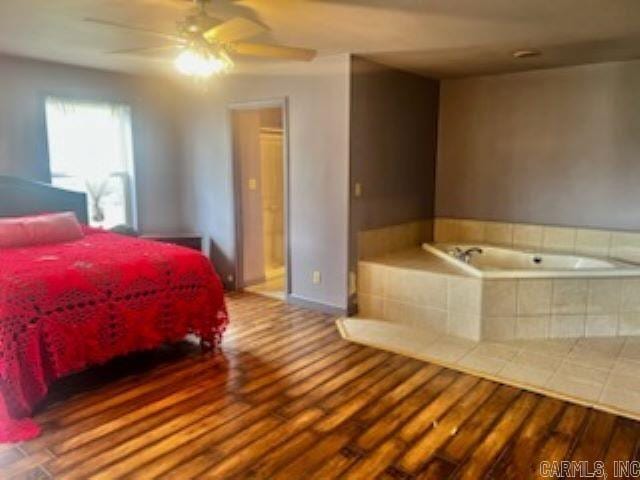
x: 287, y: 398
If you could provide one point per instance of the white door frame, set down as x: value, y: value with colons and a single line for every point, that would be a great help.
x: 283, y: 104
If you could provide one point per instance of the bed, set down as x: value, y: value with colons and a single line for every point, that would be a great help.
x: 67, y: 306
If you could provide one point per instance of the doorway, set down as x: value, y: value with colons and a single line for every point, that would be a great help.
x: 259, y: 155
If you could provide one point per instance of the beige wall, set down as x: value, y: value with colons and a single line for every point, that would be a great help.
x: 558, y: 147
x: 271, y: 118
x: 246, y: 152
x: 24, y: 85
x: 272, y: 188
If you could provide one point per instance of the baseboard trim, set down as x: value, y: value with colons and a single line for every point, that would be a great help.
x: 322, y: 307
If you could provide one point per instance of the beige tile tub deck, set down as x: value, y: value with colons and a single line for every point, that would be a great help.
x: 380, y: 241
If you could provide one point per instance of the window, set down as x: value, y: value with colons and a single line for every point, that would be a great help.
x: 90, y: 150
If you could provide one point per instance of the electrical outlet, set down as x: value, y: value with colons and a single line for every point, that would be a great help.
x: 357, y: 189
x: 317, y: 277
x: 253, y: 184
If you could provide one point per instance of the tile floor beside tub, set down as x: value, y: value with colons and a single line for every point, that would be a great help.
x: 599, y: 372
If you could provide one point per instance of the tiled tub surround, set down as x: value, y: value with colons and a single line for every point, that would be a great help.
x: 560, y: 308
x: 621, y: 245
x: 380, y: 241
x: 416, y: 288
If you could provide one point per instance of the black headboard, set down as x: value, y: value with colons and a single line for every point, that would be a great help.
x: 25, y: 197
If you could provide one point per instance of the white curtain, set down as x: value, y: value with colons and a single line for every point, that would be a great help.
x: 90, y: 149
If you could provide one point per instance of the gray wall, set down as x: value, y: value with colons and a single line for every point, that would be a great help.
x: 393, y: 130
x: 24, y: 84
x: 394, y: 118
x: 318, y: 95
x: 557, y: 146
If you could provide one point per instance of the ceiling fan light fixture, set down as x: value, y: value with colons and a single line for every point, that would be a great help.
x: 201, y: 63
x: 207, y: 43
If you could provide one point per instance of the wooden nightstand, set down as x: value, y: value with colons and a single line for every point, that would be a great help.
x: 188, y: 240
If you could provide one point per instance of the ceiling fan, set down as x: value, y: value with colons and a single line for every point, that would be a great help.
x: 207, y: 44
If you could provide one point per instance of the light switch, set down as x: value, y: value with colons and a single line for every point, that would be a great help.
x: 353, y: 283
x: 357, y: 189
x: 317, y: 278
x: 253, y: 184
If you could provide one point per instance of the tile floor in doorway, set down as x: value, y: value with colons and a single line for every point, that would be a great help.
x: 273, y: 287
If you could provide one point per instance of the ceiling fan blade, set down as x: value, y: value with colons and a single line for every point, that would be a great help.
x: 273, y: 51
x: 133, y: 28
x: 144, y: 50
x: 232, y: 30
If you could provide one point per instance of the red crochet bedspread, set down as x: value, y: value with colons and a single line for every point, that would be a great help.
x: 64, y: 307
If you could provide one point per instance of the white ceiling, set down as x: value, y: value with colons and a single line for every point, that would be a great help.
x: 439, y: 38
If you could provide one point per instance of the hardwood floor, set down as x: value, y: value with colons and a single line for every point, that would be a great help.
x: 287, y: 398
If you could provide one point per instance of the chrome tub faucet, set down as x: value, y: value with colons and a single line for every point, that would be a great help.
x: 464, y: 255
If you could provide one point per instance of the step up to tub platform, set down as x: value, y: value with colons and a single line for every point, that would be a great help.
x: 425, y: 344
x: 599, y: 372
x: 417, y: 289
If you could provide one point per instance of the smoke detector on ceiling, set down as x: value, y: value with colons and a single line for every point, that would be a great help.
x: 526, y: 53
